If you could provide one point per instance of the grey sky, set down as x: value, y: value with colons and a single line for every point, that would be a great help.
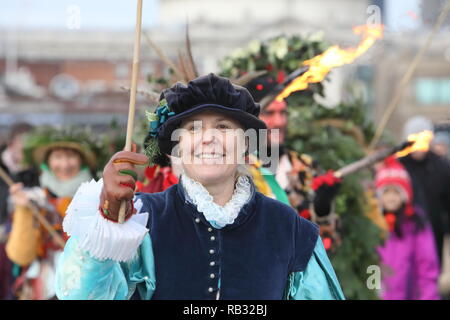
x: 401, y: 15
x: 76, y: 14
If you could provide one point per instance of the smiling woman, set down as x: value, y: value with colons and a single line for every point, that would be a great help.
x: 212, y: 236
x: 64, y: 163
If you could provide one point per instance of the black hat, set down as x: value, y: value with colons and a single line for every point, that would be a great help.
x: 209, y: 92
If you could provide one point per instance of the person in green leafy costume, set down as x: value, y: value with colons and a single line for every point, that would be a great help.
x: 332, y: 137
x: 294, y: 179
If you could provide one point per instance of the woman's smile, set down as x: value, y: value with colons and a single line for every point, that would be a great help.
x: 209, y: 155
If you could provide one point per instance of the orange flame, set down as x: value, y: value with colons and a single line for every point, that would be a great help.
x: 333, y: 57
x: 421, y: 143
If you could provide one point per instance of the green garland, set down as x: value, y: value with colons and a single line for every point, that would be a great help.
x: 331, y: 146
x: 85, y: 138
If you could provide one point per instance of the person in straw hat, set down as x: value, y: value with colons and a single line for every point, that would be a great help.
x: 66, y: 158
x: 212, y: 235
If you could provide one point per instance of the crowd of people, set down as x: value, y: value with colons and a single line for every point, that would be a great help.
x: 262, y: 227
x: 48, y: 166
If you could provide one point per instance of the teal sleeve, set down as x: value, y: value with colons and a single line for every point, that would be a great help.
x: 318, y: 281
x: 82, y: 277
x: 279, y: 193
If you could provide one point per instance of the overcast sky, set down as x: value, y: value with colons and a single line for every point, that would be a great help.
x: 401, y: 15
x: 75, y: 14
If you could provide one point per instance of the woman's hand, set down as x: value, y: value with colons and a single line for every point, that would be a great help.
x: 119, y: 182
x: 18, y: 195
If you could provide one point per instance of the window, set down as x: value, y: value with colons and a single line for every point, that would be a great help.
x: 434, y: 91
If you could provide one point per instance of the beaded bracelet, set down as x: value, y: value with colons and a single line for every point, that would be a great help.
x: 105, y: 213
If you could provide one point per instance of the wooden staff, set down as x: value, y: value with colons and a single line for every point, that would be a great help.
x: 6, y: 178
x: 407, y: 77
x: 35, y: 211
x: 133, y: 89
x: 369, y: 160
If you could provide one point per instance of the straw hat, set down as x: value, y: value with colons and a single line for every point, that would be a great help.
x: 40, y: 142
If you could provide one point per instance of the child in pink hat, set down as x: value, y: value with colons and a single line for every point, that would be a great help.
x: 408, y: 256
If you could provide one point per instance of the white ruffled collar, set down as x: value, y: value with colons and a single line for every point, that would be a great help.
x: 217, y: 215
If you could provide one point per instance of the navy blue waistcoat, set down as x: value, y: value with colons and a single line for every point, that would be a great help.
x: 252, y: 257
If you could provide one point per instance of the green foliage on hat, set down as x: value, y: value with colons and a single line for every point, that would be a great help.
x: 281, y: 53
x: 38, y: 142
x: 152, y: 150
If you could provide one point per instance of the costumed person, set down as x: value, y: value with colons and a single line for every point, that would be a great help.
x: 280, y: 183
x: 322, y: 138
x: 295, y: 175
x: 297, y: 178
x: 292, y: 180
x: 159, y: 177
x: 11, y: 162
x: 66, y: 158
x: 212, y: 235
x: 408, y: 256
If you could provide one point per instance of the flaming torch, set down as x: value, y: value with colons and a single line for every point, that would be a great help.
x: 371, y: 159
x: 420, y: 142
x: 415, y: 142
x: 319, y: 66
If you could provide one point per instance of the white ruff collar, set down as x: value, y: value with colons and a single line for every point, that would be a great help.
x: 216, y: 215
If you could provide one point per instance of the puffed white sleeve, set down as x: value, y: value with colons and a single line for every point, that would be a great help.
x: 103, y: 259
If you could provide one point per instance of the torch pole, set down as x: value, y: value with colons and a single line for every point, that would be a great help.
x: 407, y: 77
x: 6, y: 177
x: 133, y: 90
x: 370, y: 160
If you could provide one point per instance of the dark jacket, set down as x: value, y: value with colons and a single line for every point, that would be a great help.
x: 29, y: 177
x: 431, y: 186
x: 252, y: 257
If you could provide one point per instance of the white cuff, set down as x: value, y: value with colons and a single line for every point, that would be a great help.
x: 103, y: 239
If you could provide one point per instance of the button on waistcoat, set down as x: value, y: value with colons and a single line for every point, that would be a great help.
x: 249, y: 259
